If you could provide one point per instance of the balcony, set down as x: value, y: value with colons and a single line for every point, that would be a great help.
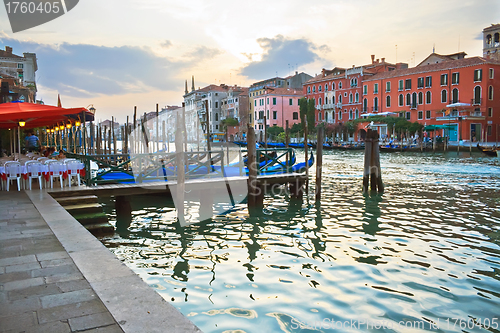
x: 339, y: 105
x: 329, y: 106
x: 476, y: 101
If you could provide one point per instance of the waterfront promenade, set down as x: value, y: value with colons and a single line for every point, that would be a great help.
x: 57, y: 277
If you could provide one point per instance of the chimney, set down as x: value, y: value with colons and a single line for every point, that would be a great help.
x: 8, y: 49
x: 383, y: 60
x: 296, y: 72
x: 377, y: 61
x: 373, y: 58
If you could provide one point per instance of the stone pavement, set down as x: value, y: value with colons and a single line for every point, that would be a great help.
x: 56, y: 277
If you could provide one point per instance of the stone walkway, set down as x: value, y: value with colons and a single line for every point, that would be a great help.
x: 56, y: 277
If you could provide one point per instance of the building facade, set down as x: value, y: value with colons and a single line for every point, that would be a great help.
x: 453, y: 90
x: 276, y: 106
x: 20, y: 73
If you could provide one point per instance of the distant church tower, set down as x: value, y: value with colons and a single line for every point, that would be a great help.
x: 491, y: 42
x: 192, y: 83
x: 186, y: 88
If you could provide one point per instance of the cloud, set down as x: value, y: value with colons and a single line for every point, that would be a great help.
x: 83, y: 70
x: 203, y: 53
x: 166, y: 44
x: 279, y: 52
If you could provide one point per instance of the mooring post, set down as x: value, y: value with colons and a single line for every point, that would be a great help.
x: 123, y: 213
x: 287, y: 141
x: 180, y: 172
x: 374, y: 161
x: 306, y: 153
x: 368, y: 157
x: 157, y: 129
x: 253, y: 189
x: 319, y: 161
x: 206, y: 205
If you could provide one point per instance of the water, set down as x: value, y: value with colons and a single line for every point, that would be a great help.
x: 426, y: 251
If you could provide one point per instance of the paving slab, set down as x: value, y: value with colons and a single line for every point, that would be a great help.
x: 69, y: 291
x: 56, y: 277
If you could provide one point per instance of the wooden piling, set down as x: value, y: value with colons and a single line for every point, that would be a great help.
x: 319, y: 161
x: 306, y: 153
x: 163, y: 136
x: 287, y: 142
x: 253, y: 188
x: 123, y: 213
x: 180, y: 172
x: 372, y: 172
x: 368, y: 157
x: 157, y: 129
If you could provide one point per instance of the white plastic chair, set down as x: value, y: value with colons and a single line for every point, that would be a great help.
x: 34, y: 170
x: 56, y: 171
x: 73, y: 171
x: 13, y: 172
x: 42, y: 159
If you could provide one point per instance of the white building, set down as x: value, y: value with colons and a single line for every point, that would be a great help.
x: 23, y: 68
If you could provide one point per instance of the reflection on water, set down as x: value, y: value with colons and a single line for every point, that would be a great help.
x: 427, y: 250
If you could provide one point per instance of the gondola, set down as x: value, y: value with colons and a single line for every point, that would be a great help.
x: 487, y: 151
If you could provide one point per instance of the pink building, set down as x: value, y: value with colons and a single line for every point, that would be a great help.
x: 277, y: 105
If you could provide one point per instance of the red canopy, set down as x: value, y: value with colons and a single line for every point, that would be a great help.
x: 37, y: 115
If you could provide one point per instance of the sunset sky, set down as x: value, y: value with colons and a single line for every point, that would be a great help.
x: 115, y: 54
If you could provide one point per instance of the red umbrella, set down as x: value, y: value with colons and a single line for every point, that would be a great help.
x: 37, y: 115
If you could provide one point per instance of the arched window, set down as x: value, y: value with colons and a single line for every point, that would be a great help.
x: 340, y: 85
x: 497, y: 39
x: 488, y: 39
x: 388, y: 101
x: 414, y: 100
x: 350, y: 98
x: 356, y: 97
x: 216, y: 116
x: 326, y: 99
x: 314, y: 89
x: 319, y: 101
x: 319, y: 116
x: 309, y: 89
x: 326, y: 86
x: 401, y: 100
x: 350, y: 114
x: 340, y: 98
x: 333, y: 85
x: 333, y: 116
x: 454, y: 95
x: 428, y: 96
x: 326, y: 116
x: 365, y: 105
x: 490, y: 93
x: 319, y: 87
x: 477, y: 95
x: 408, y: 99
x: 356, y: 115
x: 444, y: 96
x: 420, y: 98
x: 375, y: 104
x: 333, y: 99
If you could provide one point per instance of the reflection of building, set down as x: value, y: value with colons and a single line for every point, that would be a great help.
x: 21, y: 69
x: 419, y: 94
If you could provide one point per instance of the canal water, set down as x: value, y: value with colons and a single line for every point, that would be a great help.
x: 424, y: 256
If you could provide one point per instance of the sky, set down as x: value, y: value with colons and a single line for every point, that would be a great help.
x: 117, y: 54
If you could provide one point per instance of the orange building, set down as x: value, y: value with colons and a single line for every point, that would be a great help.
x: 462, y: 93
